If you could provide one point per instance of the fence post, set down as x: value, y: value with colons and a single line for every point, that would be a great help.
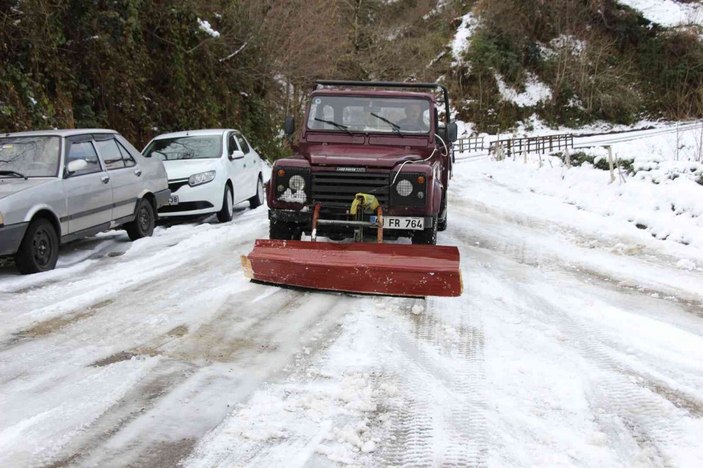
x: 568, y: 158
x: 610, y: 164
x: 621, y: 176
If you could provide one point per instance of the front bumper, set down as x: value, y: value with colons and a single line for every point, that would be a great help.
x: 11, y: 238
x: 192, y: 201
x: 303, y: 219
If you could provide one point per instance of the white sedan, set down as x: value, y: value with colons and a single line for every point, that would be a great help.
x: 209, y: 171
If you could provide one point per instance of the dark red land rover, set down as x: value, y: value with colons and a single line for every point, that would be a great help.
x: 378, y: 138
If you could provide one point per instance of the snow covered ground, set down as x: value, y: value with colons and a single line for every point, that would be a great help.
x: 669, y: 13
x: 578, y: 341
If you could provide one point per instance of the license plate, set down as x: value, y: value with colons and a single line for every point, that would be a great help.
x: 402, y: 222
x: 173, y: 200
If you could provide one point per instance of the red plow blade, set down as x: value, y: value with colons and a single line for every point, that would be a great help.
x: 385, y: 269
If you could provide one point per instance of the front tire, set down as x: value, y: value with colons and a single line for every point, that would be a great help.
x: 39, y: 249
x: 144, y: 221
x: 284, y: 231
x: 258, y: 199
x: 444, y: 214
x: 427, y: 236
x: 226, y: 214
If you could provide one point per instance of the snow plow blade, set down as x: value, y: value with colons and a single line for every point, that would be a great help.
x: 366, y: 268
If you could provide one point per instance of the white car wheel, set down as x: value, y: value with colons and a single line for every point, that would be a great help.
x: 258, y: 199
x: 227, y: 212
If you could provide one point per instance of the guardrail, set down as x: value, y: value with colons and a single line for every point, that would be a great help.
x: 540, y: 144
x: 469, y: 144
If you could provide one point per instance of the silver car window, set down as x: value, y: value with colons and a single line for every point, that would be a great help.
x: 84, y: 150
x: 126, y: 156
x: 36, y: 156
x: 110, y: 154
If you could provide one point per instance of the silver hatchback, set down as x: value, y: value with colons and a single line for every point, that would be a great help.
x: 61, y: 185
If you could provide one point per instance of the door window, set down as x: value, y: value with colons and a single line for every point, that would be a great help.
x: 243, y: 143
x: 231, y: 144
x: 85, y: 151
x: 111, y: 155
x: 128, y: 159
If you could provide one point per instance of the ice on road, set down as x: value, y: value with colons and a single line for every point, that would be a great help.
x: 575, y: 343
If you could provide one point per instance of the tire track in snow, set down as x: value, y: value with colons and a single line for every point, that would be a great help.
x: 244, y: 346
x: 268, y: 439
x: 164, y: 285
x: 623, y: 406
x: 643, y: 417
x: 440, y: 374
x: 169, y: 256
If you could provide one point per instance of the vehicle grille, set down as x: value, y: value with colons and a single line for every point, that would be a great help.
x: 186, y: 206
x: 337, y: 189
x: 174, y: 185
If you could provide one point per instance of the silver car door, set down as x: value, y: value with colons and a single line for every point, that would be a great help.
x: 88, y: 190
x: 125, y: 176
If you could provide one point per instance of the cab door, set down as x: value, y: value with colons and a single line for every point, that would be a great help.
x: 88, y: 190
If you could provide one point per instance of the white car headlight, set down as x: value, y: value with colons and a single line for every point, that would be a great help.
x: 296, y: 183
x: 201, y: 178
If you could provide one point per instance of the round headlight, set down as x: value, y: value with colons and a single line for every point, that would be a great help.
x: 296, y: 183
x: 404, y: 188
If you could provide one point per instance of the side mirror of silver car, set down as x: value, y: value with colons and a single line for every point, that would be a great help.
x: 76, y: 165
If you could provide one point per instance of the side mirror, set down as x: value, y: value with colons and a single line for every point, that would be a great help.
x: 452, y: 131
x: 236, y: 154
x: 76, y: 165
x: 289, y: 126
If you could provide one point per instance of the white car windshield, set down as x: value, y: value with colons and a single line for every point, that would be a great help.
x: 186, y: 147
x: 35, y: 156
x: 364, y: 114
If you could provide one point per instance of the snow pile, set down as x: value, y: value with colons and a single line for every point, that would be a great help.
x: 205, y: 26
x: 460, y: 43
x: 565, y: 42
x: 668, y: 13
x: 669, y: 210
x: 535, y: 91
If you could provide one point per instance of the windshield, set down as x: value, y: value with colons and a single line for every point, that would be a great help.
x: 35, y: 156
x: 188, y: 147
x: 365, y: 114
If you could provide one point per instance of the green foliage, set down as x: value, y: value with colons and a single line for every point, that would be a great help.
x: 138, y: 67
x: 490, y: 52
x: 599, y: 162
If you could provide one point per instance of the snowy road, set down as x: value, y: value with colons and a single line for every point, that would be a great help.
x: 574, y: 344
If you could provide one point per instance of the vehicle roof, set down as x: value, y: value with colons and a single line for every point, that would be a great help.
x: 372, y: 92
x: 206, y: 131
x: 65, y: 132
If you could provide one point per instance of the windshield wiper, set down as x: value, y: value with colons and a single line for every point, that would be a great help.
x: 15, y: 174
x: 394, y: 126
x: 338, y: 125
